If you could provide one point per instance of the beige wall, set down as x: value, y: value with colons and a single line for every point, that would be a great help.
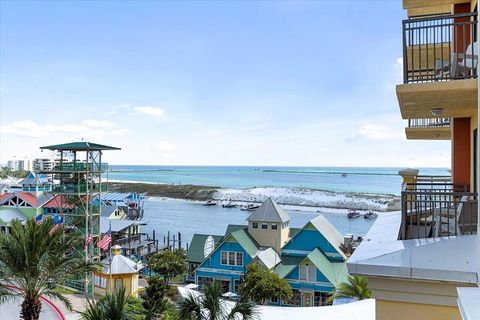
x: 268, y: 237
x: 389, y: 310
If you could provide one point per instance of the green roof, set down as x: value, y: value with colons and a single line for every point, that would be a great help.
x: 287, y: 265
x: 195, y: 249
x: 79, y: 146
x: 336, y: 272
x: 246, y: 241
x: 233, y: 227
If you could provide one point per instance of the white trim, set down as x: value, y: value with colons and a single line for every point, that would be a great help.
x: 324, y: 284
x: 218, y: 271
x: 228, y: 258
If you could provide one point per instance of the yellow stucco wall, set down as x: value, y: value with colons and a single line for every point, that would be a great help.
x: 129, y: 282
x: 268, y: 237
x: 389, y: 310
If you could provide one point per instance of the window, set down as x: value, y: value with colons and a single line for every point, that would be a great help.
x: 254, y: 225
x: 274, y: 300
x: 320, y: 299
x: 100, y: 282
x: 239, y: 261
x: 296, y: 298
x: 224, y: 257
x: 231, y: 258
x: 307, y: 273
x: 274, y: 226
x: 236, y: 286
x: 264, y: 226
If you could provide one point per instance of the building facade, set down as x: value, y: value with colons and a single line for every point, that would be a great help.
x: 310, y: 258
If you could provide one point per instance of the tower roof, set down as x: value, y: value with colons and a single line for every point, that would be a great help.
x: 34, y: 179
x: 79, y: 146
x: 269, y: 211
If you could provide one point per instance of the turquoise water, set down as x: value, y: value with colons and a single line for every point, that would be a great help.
x: 339, y: 179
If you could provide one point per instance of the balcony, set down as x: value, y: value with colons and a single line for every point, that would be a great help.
x: 429, y: 129
x: 437, y: 209
x: 440, y: 57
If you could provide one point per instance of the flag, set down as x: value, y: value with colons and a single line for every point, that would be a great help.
x: 104, y: 243
x: 88, y: 240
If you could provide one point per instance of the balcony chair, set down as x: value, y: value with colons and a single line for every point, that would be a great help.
x: 460, y: 66
x: 448, y: 224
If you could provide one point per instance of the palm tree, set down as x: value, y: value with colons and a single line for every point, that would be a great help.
x: 116, y: 306
x: 356, y: 288
x: 34, y: 256
x: 210, y: 306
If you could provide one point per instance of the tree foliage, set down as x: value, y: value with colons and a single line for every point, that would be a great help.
x: 210, y: 306
x: 32, y: 257
x: 356, y: 288
x: 261, y: 284
x: 154, y: 294
x: 6, y: 172
x: 169, y: 264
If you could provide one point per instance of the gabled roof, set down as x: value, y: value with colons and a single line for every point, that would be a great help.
x: 335, y: 272
x: 58, y: 201
x: 294, y: 231
x: 329, y: 232
x: 106, y: 211
x: 246, y: 241
x: 269, y: 211
x: 269, y: 257
x: 120, y: 265
x: 196, y: 249
x: 287, y: 265
x: 11, y: 214
x: 117, y: 224
x: 34, y: 179
x: 80, y: 146
x: 5, y: 197
x: 234, y: 227
x: 27, y: 197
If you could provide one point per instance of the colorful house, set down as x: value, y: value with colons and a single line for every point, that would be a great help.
x: 310, y: 258
x: 118, y: 271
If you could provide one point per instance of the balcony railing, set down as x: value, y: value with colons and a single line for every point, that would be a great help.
x: 429, y: 123
x: 440, y: 48
x: 79, y: 188
x: 437, y: 209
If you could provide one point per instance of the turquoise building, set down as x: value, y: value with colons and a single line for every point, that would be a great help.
x: 310, y: 258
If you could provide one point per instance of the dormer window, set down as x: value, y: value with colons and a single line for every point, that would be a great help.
x: 264, y: 226
x: 274, y: 226
x: 254, y: 225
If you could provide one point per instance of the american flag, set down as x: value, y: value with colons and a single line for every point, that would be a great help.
x: 104, y: 243
x: 88, y: 240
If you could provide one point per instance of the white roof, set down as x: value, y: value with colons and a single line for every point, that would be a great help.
x: 360, y: 310
x: 380, y: 253
x: 269, y: 257
x: 269, y: 211
x: 120, y: 264
x: 468, y: 305
x: 329, y: 232
x: 11, y: 214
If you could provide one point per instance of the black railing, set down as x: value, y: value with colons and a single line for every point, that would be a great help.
x: 440, y: 48
x: 438, y: 210
x: 429, y: 123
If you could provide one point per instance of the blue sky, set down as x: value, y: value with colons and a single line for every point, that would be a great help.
x: 209, y: 83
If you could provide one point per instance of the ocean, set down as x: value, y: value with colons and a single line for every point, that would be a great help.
x: 188, y: 217
x: 335, y: 179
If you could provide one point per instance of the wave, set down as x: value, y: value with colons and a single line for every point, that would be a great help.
x: 331, y: 172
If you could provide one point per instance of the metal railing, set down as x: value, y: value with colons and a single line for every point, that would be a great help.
x: 79, y: 188
x: 78, y: 167
x: 438, y: 210
x: 429, y: 123
x: 440, y: 48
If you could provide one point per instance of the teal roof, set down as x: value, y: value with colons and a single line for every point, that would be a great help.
x: 246, y: 241
x: 233, y: 227
x: 287, y: 265
x: 336, y: 272
x: 79, y: 146
x: 195, y: 251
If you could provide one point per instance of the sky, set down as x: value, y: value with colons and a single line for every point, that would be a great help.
x: 291, y: 83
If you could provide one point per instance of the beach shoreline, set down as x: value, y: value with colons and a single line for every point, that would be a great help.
x: 293, y: 197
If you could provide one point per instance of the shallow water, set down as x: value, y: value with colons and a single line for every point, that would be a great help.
x: 189, y: 217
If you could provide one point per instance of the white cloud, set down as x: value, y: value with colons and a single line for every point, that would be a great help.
x: 99, y: 123
x: 164, y: 146
x: 377, y: 132
x: 151, y: 111
x: 25, y: 128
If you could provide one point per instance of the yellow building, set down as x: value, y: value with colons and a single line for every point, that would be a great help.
x: 424, y: 261
x: 124, y: 273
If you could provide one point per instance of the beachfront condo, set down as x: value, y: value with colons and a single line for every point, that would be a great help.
x: 423, y: 262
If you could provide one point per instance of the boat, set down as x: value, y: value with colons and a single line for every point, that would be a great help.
x: 229, y: 205
x: 250, y: 207
x: 370, y: 215
x: 210, y: 203
x: 353, y: 214
x: 344, y: 175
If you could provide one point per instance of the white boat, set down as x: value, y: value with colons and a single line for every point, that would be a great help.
x: 210, y: 203
x: 352, y: 214
x: 370, y: 215
x: 229, y: 205
x: 250, y: 207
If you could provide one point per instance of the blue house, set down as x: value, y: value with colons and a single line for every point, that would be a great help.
x: 310, y: 258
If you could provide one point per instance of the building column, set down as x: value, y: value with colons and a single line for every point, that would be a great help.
x: 461, y: 152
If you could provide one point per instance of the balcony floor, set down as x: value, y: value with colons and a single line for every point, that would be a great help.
x: 458, y: 98
x: 426, y: 133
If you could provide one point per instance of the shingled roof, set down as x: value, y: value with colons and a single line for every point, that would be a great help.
x: 269, y: 211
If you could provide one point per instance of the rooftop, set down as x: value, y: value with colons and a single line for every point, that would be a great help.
x: 269, y: 211
x: 79, y: 146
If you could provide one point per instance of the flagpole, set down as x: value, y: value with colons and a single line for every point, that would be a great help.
x: 110, y: 255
